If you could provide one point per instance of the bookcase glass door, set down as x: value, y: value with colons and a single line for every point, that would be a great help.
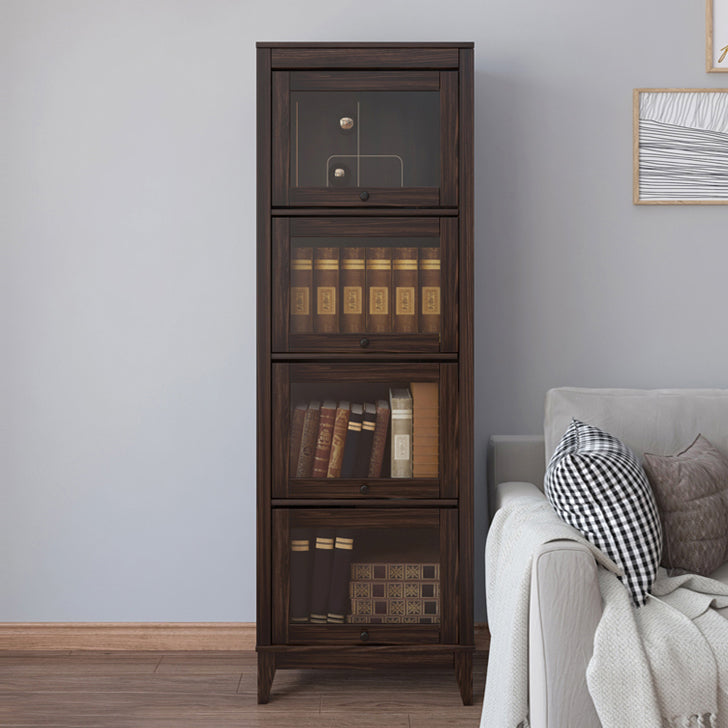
x: 366, y: 285
x: 364, y: 576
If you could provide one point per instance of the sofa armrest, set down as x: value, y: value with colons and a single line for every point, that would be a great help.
x: 565, y: 607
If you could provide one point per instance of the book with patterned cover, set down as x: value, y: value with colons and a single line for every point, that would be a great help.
x: 379, y: 290
x: 309, y: 436
x: 339, y: 590
x: 353, y: 433
x: 379, y: 442
x: 323, y: 559
x: 301, y: 569
x: 404, y: 286
x: 301, y: 320
x: 323, y: 441
x: 429, y: 290
x: 326, y: 288
x: 353, y: 290
x: 338, y: 440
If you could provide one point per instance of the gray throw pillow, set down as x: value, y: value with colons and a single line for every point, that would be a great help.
x: 691, y: 490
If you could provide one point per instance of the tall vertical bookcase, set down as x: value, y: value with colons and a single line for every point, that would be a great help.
x: 365, y: 357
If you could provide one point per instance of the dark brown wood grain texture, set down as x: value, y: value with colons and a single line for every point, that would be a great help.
x: 373, y: 227
x: 449, y: 133
x: 281, y: 148
x: 280, y: 411
x: 281, y: 264
x: 364, y: 372
x: 463, y: 662
x: 364, y: 211
x: 449, y: 431
x: 450, y: 271
x: 375, y: 634
x: 449, y: 575
x: 266, y: 673
x: 281, y: 561
x: 365, y: 81
x: 374, y: 58
x: 378, y: 197
x: 395, y: 518
x: 338, y: 488
x: 365, y: 344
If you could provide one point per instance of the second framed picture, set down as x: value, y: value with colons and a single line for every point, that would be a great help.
x: 716, y: 36
x: 680, y: 146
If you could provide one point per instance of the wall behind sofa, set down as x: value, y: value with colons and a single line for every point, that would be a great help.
x: 127, y: 272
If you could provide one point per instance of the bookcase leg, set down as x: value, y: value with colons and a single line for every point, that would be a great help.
x: 464, y: 675
x: 266, y: 672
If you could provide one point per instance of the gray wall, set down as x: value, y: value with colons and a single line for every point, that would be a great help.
x: 127, y: 276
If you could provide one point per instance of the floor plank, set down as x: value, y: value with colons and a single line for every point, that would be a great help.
x: 80, y: 689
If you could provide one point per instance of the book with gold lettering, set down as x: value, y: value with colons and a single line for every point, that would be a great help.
x: 404, y: 286
x: 338, y: 440
x: 307, y: 451
x: 353, y: 433
x: 379, y: 443
x: 429, y: 290
x: 326, y: 290
x: 301, y: 321
x: 353, y: 291
x: 379, y: 290
x: 323, y: 441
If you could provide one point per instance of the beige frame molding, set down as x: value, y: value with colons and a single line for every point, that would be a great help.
x: 139, y: 636
x: 709, y: 67
x: 636, y: 146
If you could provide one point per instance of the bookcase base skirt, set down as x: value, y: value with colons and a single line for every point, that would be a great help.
x: 273, y: 657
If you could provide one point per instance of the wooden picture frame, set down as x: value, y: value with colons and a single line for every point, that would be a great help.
x: 716, y: 36
x: 680, y: 146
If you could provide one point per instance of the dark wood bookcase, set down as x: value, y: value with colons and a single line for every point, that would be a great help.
x: 365, y: 289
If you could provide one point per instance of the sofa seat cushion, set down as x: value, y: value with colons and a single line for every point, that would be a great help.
x: 691, y: 490
x: 596, y: 485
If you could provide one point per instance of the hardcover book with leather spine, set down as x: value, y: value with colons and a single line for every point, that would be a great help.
x: 339, y: 590
x: 301, y: 290
x: 353, y: 433
x: 301, y: 570
x: 400, y: 402
x: 323, y: 559
x: 297, y: 419
x: 430, y: 290
x: 308, y: 440
x: 338, y: 440
x: 379, y: 289
x: 323, y: 441
x: 353, y: 290
x: 379, y: 442
x: 404, y: 285
x: 366, y: 438
x: 326, y: 283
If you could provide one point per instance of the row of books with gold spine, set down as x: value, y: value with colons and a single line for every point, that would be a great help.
x: 365, y: 290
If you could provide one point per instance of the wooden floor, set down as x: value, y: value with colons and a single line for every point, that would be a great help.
x: 186, y: 689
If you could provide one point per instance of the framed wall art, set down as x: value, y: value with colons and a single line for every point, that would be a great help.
x: 680, y: 146
x: 716, y: 36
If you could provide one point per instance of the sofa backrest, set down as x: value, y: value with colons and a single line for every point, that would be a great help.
x: 661, y: 421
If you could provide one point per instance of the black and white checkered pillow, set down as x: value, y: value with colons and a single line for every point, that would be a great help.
x: 595, y: 484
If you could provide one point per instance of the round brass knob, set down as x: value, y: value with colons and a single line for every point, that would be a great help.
x: 339, y: 172
x: 364, y: 196
x: 364, y: 636
x: 364, y: 489
x: 346, y: 122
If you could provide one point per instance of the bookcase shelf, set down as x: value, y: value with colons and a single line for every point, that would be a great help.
x: 365, y: 357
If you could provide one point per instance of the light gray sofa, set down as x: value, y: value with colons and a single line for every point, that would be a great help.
x: 565, y: 601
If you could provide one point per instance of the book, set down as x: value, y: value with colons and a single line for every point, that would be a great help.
x: 323, y: 441
x: 379, y: 442
x: 307, y: 451
x: 297, y: 417
x: 353, y: 432
x: 353, y: 282
x: 301, y: 565
x: 323, y: 557
x: 404, y: 285
x: 429, y: 290
x: 338, y: 440
x: 366, y: 437
x: 301, y: 321
x: 326, y: 284
x: 425, y: 429
x: 339, y: 590
x: 379, y: 286
x: 400, y: 402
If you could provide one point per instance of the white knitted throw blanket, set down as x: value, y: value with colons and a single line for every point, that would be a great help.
x: 662, y: 666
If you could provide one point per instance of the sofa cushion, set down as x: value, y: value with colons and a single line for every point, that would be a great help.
x: 691, y: 490
x: 596, y: 485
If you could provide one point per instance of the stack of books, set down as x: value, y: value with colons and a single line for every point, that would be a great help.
x: 394, y: 593
x: 365, y: 290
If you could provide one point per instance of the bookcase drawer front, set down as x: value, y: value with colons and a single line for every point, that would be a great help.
x: 364, y: 431
x: 365, y: 576
x: 365, y: 285
x: 362, y: 138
